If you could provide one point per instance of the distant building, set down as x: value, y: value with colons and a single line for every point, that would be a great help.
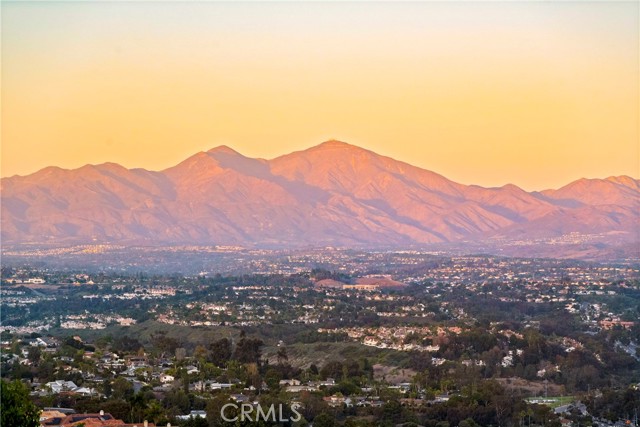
x: 608, y: 324
x: 164, y: 378
x: 192, y: 414
x: 86, y: 420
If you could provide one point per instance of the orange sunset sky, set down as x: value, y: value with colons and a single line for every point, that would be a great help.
x: 533, y: 93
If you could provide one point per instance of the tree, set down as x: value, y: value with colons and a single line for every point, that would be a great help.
x: 214, y: 411
x: 248, y: 350
x: 116, y: 407
x: 312, y: 405
x: 313, y: 369
x: 164, y: 343
x: 126, y: 343
x: 282, y: 355
x: 468, y: 422
x: 106, y: 388
x: 332, y: 369
x: 324, y: 420
x: 17, y: 408
x: 392, y: 410
x: 154, y: 412
x: 34, y: 355
x: 220, y: 352
x: 177, y: 399
x: 196, y: 422
x: 46, y: 370
x: 122, y: 389
x: 200, y: 353
x: 272, y: 377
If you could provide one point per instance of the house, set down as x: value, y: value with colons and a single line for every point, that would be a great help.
x: 165, y: 378
x: 240, y: 398
x: 59, y: 386
x: 65, y: 411
x: 110, y: 358
x: 97, y: 420
x: 290, y: 382
x: 337, y: 400
x: 403, y: 387
x: 370, y: 341
x: 192, y: 370
x: 441, y: 398
x: 192, y: 414
x: 300, y: 388
x: 88, y: 420
x: 165, y: 363
x: 329, y: 382
x: 198, y: 386
x: 219, y: 386
x: 137, y: 361
x: 43, y: 342
x: 376, y: 403
x: 49, y: 342
x: 609, y: 324
x: 85, y: 391
x: 51, y: 417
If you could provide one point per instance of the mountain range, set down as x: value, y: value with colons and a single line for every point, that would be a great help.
x: 332, y: 194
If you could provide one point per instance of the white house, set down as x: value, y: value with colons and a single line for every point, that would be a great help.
x: 165, y: 378
x: 290, y: 382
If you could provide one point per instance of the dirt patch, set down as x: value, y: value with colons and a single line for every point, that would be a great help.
x: 522, y: 387
x: 392, y: 374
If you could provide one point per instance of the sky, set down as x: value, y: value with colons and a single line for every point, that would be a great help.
x: 537, y: 94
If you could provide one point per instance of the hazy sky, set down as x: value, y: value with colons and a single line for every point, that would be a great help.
x: 533, y: 93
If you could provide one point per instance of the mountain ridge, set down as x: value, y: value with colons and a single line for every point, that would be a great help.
x: 331, y: 194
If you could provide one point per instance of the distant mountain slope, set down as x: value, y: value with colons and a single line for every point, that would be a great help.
x: 615, y: 190
x: 331, y: 194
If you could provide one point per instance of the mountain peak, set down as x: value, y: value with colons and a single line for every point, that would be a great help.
x: 512, y: 188
x: 623, y: 180
x: 334, y: 143
x: 224, y: 149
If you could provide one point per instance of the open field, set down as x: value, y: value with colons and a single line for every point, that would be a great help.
x: 530, y: 388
